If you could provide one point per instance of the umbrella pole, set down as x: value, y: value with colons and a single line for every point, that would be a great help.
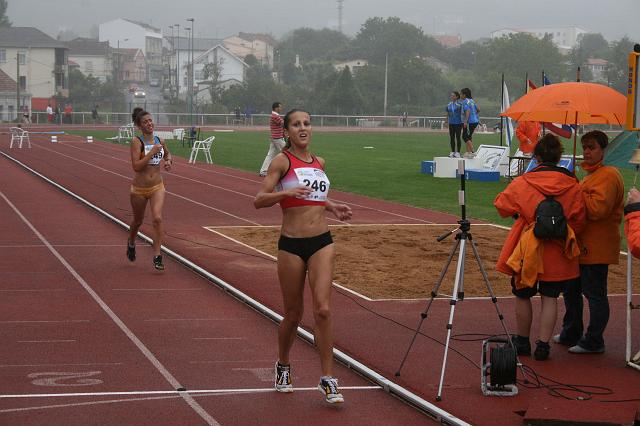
x: 575, y: 137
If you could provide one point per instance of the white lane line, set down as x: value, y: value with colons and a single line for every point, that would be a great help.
x: 46, y: 341
x: 168, y: 192
x: 41, y: 321
x: 193, y: 319
x: 173, y: 392
x: 355, y: 293
x: 136, y: 341
x: 60, y: 365
x: 218, y: 338
x: 60, y: 245
x: 151, y: 398
x: 158, y: 289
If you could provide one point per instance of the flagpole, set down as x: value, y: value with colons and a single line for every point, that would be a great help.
x: 502, y: 110
x: 544, y: 128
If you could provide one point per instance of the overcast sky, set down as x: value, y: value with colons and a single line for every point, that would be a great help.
x: 215, y: 18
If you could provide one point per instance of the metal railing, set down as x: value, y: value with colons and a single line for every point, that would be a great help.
x: 203, y: 120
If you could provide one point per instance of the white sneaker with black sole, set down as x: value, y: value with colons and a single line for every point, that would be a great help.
x: 283, y: 378
x: 329, y: 388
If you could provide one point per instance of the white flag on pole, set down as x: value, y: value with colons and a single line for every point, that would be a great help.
x: 508, y: 123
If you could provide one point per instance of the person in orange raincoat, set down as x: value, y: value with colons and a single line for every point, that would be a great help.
x: 528, y: 133
x: 603, y: 191
x: 557, y: 268
x: 632, y: 222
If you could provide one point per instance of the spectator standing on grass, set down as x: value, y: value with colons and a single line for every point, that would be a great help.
x: 603, y: 191
x: 25, y: 115
x: 68, y: 110
x: 147, y: 186
x: 545, y: 266
x: 50, y: 115
x: 296, y: 179
x: 57, y: 117
x: 470, y: 120
x: 276, y: 142
x: 454, y: 119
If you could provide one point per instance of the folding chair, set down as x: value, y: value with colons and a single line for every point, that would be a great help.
x: 205, y: 147
x: 19, y: 135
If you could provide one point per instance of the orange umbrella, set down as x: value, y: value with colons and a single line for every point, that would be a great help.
x: 571, y: 103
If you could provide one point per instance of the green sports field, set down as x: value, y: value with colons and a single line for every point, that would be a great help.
x: 390, y: 170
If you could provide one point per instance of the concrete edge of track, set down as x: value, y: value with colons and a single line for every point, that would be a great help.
x: 393, y: 388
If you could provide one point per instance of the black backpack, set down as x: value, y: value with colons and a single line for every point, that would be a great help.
x: 551, y: 224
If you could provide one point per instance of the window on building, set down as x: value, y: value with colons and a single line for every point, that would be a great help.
x: 2, y: 112
x: 22, y: 58
x: 23, y: 82
x: 3, y: 56
x: 88, y: 66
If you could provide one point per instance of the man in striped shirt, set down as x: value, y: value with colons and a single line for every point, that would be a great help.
x: 276, y: 126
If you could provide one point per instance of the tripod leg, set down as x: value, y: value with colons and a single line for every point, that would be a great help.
x: 454, y: 299
x: 494, y: 299
x: 434, y: 294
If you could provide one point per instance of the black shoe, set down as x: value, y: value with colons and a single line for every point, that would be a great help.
x: 157, y: 262
x: 283, y: 378
x: 542, y: 350
x: 131, y: 251
x: 522, y: 345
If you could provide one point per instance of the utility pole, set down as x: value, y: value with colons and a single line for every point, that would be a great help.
x: 17, y: 84
x: 340, y: 7
x: 386, y: 67
x: 191, y: 72
x: 178, y: 62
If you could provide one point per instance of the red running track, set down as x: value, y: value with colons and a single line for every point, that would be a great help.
x: 374, y: 332
x: 76, y: 318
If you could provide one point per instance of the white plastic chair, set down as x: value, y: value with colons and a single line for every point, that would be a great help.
x: 205, y: 147
x: 19, y: 135
x: 125, y: 133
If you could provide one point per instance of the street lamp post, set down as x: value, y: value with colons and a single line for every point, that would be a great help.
x: 191, y: 72
x: 178, y: 62
x: 188, y: 94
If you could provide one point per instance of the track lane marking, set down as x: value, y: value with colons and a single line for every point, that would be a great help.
x: 136, y: 341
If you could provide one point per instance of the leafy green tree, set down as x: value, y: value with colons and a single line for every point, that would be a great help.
x: 378, y: 37
x: 87, y: 91
x: 517, y: 55
x: 4, y: 19
x: 311, y: 45
x: 212, y: 73
x: 618, y: 68
x: 345, y: 96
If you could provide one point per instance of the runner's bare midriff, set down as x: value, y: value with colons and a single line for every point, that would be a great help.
x: 304, y: 221
x: 148, y: 177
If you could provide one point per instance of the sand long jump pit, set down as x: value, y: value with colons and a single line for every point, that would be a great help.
x: 404, y: 261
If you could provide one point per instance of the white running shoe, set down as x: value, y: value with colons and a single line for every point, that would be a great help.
x: 328, y: 386
x: 452, y: 155
x: 456, y: 155
x: 283, y: 378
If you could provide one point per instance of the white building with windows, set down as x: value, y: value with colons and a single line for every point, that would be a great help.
x: 563, y: 37
x: 231, y: 70
x: 124, y: 33
x: 92, y: 56
x: 42, y: 60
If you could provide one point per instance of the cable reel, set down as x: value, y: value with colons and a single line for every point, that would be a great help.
x: 501, y: 368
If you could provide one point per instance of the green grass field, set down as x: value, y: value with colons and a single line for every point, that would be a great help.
x: 390, y: 170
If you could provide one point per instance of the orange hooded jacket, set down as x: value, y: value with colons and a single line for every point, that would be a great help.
x: 528, y: 133
x: 522, y: 197
x: 632, y: 227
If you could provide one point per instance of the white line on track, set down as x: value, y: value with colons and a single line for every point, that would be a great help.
x: 136, y: 341
x: 60, y: 365
x: 174, y: 392
x: 168, y: 192
x: 159, y: 289
x: 154, y: 398
x: 41, y: 321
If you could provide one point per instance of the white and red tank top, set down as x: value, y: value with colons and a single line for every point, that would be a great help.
x: 302, y: 173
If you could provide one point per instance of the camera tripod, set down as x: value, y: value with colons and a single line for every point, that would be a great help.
x: 462, y: 237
